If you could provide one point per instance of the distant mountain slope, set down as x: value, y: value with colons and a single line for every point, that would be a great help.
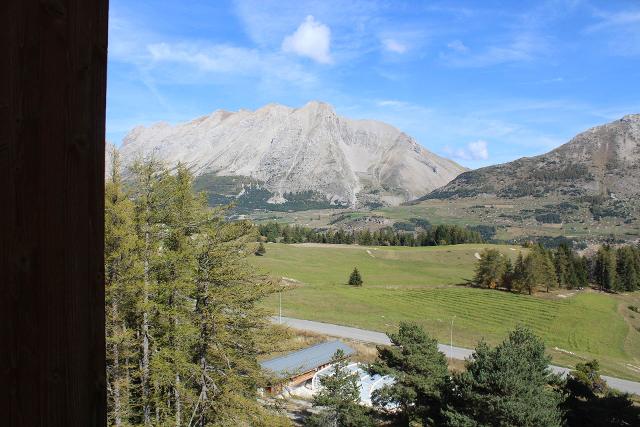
x: 283, y: 153
x: 603, y: 161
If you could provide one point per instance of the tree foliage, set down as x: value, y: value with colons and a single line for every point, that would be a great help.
x: 355, y: 279
x: 590, y: 402
x: 184, y: 328
x: 490, y: 268
x: 509, y: 385
x: 431, y: 236
x: 420, y: 374
x: 339, y: 398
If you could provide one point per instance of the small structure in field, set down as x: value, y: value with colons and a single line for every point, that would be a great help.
x: 296, y: 368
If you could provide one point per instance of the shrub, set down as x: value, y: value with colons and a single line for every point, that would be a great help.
x: 355, y: 279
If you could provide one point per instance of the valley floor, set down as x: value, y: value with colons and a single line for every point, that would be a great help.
x: 428, y: 285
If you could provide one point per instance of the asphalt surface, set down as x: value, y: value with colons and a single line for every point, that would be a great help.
x: 449, y: 351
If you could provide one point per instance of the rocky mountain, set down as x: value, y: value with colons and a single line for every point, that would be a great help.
x: 279, y: 157
x: 602, y: 162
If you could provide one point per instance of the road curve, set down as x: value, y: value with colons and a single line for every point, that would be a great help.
x: 449, y: 351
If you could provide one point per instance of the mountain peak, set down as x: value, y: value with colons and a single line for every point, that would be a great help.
x: 294, y: 151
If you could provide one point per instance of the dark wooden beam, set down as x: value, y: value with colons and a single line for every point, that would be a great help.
x: 52, y: 120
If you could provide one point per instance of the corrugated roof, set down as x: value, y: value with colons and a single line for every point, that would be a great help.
x: 307, y: 359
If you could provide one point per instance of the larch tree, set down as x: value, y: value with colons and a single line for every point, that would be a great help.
x: 605, y: 268
x: 122, y: 272
x: 627, y: 269
x: 490, y: 268
x: 228, y: 321
x: 147, y: 184
x: 184, y: 324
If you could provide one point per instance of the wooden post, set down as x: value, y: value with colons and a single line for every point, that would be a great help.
x: 52, y: 124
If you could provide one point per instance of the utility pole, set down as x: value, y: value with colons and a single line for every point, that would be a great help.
x: 451, y: 342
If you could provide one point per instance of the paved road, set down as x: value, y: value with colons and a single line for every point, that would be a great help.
x: 453, y: 352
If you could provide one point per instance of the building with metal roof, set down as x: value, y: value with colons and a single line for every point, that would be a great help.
x: 367, y: 383
x: 301, y: 365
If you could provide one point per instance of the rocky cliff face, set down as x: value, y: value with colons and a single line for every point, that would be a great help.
x: 603, y: 162
x: 287, y: 151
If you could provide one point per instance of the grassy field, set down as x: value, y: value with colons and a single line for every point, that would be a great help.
x: 426, y: 285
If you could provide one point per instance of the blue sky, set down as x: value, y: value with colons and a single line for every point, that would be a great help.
x: 480, y: 82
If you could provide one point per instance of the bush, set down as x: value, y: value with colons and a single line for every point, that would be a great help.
x: 260, y: 250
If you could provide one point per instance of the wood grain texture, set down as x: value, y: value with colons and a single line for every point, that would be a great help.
x: 52, y: 119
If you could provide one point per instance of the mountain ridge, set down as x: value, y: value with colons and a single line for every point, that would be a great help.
x: 284, y: 150
x: 603, y: 161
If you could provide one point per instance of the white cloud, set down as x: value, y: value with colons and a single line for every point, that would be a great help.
x: 476, y: 150
x: 391, y: 103
x: 458, y: 46
x: 312, y: 39
x: 522, y: 48
x: 394, y: 46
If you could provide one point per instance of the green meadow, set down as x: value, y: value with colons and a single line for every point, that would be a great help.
x: 428, y: 285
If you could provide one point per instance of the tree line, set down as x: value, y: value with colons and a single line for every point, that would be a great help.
x: 434, y: 236
x: 183, y: 326
x: 507, y: 385
x: 613, y: 269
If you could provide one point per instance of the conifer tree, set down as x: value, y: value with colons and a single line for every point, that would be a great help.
x: 519, y: 274
x: 184, y: 328
x: 172, y: 327
x: 122, y: 269
x: 355, y: 279
x: 149, y: 203
x: 420, y: 373
x: 605, y: 268
x: 627, y: 270
x: 508, y: 276
x: 339, y: 398
x: 229, y: 323
x: 490, y: 268
x: 589, y: 401
x: 506, y: 386
x: 260, y: 250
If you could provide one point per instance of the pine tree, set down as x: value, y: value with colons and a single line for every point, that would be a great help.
x: 260, y: 250
x: 506, y: 386
x: 339, y: 398
x: 355, y: 279
x: 420, y: 373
